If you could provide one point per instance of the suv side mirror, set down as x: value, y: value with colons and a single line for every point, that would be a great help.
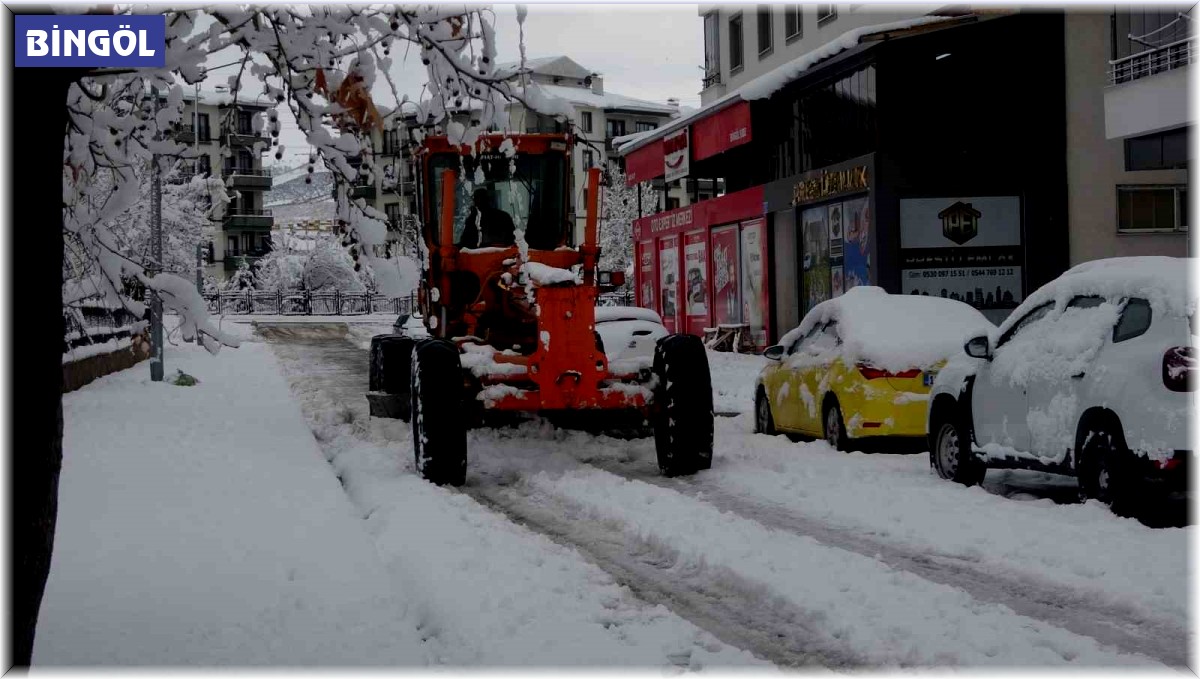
x: 978, y: 347
x: 774, y: 352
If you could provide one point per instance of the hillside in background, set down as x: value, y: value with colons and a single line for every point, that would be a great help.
x: 291, y: 199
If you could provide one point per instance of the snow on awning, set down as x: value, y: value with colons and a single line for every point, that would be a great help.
x: 714, y: 119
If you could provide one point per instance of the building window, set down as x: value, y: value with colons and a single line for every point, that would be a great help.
x: 712, y: 49
x: 1162, y: 151
x: 765, y: 39
x: 644, y: 126
x: 585, y: 121
x: 672, y: 203
x: 245, y: 123
x: 393, y: 213
x: 793, y: 26
x: 203, y: 133
x: 1152, y: 209
x: 231, y: 246
x: 736, y: 59
x: 825, y: 14
x: 589, y: 160
x: 615, y: 128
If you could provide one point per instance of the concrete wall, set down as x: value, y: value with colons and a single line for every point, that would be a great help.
x: 1096, y: 164
x: 849, y: 16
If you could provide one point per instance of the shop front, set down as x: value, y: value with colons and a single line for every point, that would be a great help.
x: 706, y: 264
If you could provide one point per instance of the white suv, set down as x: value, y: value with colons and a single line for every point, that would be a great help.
x: 1090, y: 376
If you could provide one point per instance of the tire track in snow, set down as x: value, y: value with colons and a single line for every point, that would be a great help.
x: 325, y: 367
x: 1077, y: 611
x: 739, y: 612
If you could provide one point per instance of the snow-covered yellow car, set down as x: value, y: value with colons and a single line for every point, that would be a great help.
x: 860, y: 365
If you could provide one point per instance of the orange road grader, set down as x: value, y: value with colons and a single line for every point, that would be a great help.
x: 509, y: 302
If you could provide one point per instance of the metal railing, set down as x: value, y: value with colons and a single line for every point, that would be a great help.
x: 90, y: 323
x: 1153, y: 61
x: 336, y: 303
x: 243, y: 212
x: 711, y: 79
x: 245, y: 171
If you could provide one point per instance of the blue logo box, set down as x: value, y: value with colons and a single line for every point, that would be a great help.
x: 91, y: 40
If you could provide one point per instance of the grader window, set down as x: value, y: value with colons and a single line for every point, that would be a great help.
x: 530, y: 189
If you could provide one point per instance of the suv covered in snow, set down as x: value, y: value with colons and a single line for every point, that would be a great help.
x: 1091, y: 376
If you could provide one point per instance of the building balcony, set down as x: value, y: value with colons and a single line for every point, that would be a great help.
x: 710, y: 79
x: 249, y: 219
x: 187, y: 135
x: 246, y: 137
x: 366, y: 191
x: 1148, y: 91
x: 247, y: 179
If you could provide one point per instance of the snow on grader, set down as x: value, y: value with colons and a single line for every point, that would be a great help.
x: 510, y: 304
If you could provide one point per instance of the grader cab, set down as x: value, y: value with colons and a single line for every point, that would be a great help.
x: 509, y: 302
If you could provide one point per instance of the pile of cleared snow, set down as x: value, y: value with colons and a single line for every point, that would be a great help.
x: 605, y: 314
x: 544, y: 275
x: 894, y: 332
x: 734, y: 377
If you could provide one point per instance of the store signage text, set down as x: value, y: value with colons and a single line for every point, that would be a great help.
x: 670, y: 221
x: 830, y: 184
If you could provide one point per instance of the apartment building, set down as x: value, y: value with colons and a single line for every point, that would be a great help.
x: 1128, y: 131
x: 223, y: 131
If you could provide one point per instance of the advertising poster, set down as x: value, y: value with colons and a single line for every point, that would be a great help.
x: 995, y: 291
x: 668, y: 276
x: 695, y: 253
x: 727, y: 304
x: 815, y: 254
x: 646, y: 280
x: 856, y: 254
x: 755, y: 301
x: 836, y: 234
x: 964, y: 248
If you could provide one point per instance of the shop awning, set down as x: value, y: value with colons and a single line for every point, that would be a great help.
x: 721, y: 131
x: 645, y: 163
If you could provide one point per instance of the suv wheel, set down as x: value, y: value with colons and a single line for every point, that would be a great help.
x: 951, y: 454
x: 1106, y: 469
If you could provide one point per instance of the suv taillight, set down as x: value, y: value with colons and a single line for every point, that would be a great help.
x: 1179, y: 368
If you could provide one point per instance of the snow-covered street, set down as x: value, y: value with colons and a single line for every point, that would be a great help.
x: 563, y: 548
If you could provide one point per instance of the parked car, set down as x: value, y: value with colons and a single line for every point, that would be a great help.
x: 1091, y: 376
x: 629, y: 333
x: 860, y: 366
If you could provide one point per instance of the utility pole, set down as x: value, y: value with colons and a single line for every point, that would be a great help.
x: 156, y: 319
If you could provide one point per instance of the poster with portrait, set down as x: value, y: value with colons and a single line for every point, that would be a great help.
x: 646, y: 297
x: 815, y: 254
x: 668, y: 276
x: 856, y: 254
x: 727, y: 303
x: 836, y: 234
x: 755, y: 300
x: 695, y: 253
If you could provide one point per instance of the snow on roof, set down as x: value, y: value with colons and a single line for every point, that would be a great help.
x: 1161, y: 281
x: 605, y: 314
x: 772, y: 81
x: 583, y: 96
x: 558, y: 65
x: 895, y: 332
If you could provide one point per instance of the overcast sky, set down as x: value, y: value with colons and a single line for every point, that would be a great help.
x: 650, y: 52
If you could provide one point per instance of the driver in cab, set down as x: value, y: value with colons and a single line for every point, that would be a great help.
x: 487, y: 226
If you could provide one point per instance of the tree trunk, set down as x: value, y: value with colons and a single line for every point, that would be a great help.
x: 39, y: 118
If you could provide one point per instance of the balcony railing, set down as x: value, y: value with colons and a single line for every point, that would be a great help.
x: 1153, y: 61
x: 711, y: 79
x: 244, y: 171
x: 240, y: 136
x: 247, y: 178
x: 242, y: 218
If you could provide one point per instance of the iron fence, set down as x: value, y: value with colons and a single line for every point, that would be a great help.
x: 334, y: 303
x: 95, y: 323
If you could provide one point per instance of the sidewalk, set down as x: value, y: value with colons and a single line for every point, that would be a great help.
x: 202, y: 525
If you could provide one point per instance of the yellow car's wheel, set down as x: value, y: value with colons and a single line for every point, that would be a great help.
x: 835, y: 428
x: 763, y: 422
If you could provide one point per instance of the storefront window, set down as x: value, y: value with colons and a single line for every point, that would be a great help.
x: 823, y: 126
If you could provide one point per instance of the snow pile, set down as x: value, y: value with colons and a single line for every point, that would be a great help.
x: 201, y: 526
x: 605, y: 314
x: 546, y: 103
x: 1056, y: 346
x: 544, y: 275
x: 480, y: 359
x: 895, y: 332
x: 734, y: 378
